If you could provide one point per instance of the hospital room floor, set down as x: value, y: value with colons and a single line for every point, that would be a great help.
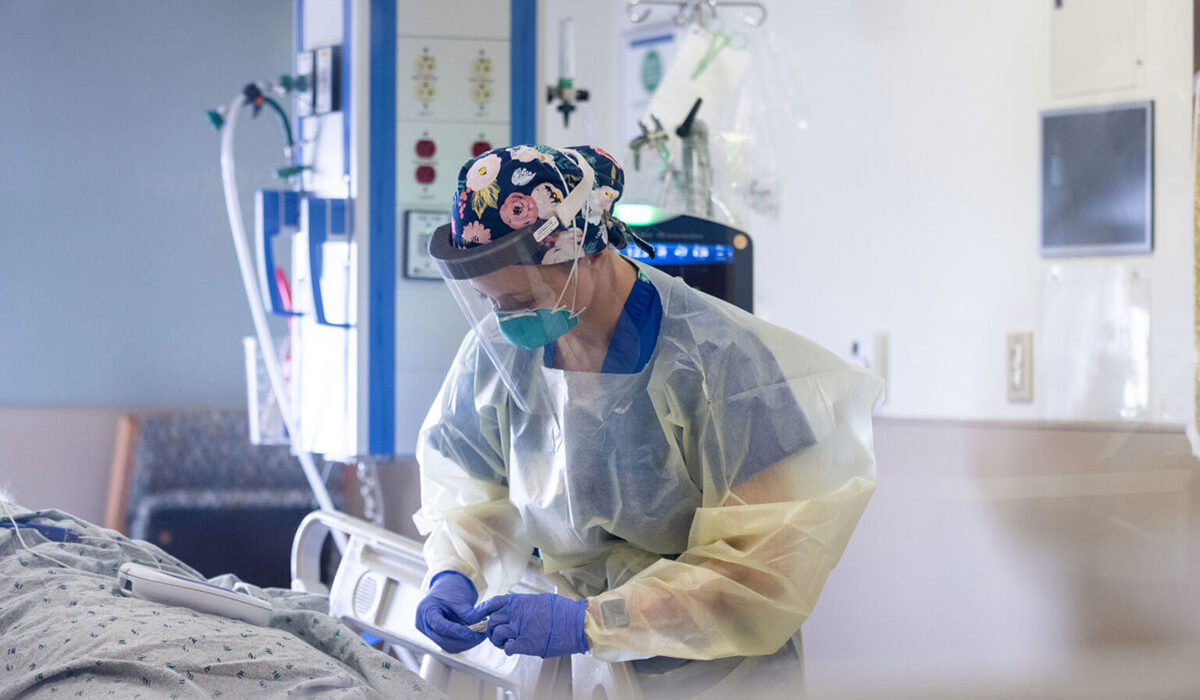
x: 1017, y: 563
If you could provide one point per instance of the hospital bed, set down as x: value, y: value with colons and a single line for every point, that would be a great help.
x: 64, y: 633
x: 377, y: 588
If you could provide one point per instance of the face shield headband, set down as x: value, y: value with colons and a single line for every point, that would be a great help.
x: 517, y: 248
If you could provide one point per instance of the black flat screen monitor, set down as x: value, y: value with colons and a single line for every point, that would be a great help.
x: 712, y: 257
x: 1097, y: 180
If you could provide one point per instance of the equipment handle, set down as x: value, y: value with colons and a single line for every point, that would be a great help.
x: 275, y: 212
x: 325, y: 217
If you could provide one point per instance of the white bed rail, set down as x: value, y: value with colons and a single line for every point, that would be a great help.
x: 377, y: 588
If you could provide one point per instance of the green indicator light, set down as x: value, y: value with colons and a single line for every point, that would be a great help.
x: 639, y: 214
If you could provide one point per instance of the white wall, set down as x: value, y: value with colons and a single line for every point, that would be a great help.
x: 912, y: 207
x: 911, y: 202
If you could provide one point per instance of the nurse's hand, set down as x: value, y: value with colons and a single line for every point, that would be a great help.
x: 447, y: 610
x: 543, y: 624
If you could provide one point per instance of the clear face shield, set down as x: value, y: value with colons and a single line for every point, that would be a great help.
x: 520, y: 293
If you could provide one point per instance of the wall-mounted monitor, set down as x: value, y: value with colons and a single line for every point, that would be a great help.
x: 1098, y: 180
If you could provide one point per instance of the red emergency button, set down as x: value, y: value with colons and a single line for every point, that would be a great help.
x: 426, y: 148
x: 426, y: 174
x: 480, y: 147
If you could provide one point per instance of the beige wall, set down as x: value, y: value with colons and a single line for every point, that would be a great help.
x: 1006, y: 552
x: 58, y: 457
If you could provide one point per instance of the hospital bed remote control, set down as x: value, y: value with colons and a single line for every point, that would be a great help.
x: 148, y: 583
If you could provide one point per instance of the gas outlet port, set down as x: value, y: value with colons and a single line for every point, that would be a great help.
x: 426, y: 148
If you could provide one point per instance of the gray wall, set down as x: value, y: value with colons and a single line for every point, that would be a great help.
x: 118, y: 281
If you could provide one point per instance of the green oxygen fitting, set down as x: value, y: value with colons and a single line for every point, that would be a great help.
x: 256, y: 99
x: 297, y: 83
x: 291, y: 171
x: 216, y: 119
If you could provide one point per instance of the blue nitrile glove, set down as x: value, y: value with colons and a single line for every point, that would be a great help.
x: 543, y: 624
x: 444, y: 613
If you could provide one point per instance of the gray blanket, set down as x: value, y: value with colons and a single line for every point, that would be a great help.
x: 64, y: 634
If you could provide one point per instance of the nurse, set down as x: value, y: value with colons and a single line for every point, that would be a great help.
x: 693, y: 471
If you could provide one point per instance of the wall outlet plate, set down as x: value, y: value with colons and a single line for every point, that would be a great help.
x: 418, y: 227
x: 870, y: 351
x: 1018, y: 370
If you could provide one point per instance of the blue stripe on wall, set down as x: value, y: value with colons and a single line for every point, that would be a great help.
x: 347, y: 103
x: 381, y: 305
x: 298, y: 23
x: 523, y: 66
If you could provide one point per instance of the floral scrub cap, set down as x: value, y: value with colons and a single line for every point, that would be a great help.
x: 509, y: 189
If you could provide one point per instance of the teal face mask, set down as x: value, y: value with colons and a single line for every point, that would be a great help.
x: 533, y: 328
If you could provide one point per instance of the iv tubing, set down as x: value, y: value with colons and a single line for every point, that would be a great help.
x: 287, y: 125
x: 265, y: 342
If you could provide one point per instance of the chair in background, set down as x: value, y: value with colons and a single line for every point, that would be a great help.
x: 191, y: 482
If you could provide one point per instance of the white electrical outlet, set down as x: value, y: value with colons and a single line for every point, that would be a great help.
x: 425, y: 90
x: 870, y: 351
x: 481, y: 93
x: 426, y: 64
x: 1019, y: 368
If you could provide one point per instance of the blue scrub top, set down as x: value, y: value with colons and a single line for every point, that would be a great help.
x: 635, y: 334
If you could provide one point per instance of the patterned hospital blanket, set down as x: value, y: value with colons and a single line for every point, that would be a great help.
x: 64, y: 634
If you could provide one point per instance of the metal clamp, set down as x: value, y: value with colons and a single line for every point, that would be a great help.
x: 693, y: 11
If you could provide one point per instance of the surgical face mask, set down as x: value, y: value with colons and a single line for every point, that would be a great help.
x: 533, y: 328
